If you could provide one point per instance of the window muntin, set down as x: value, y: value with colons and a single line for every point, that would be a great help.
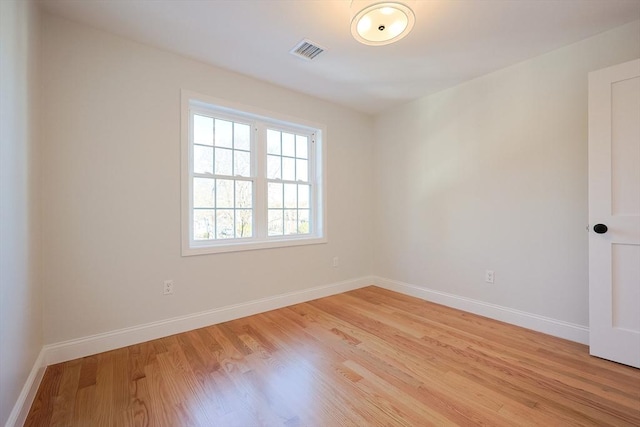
x: 253, y: 182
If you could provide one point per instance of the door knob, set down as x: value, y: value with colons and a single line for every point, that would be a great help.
x: 600, y: 228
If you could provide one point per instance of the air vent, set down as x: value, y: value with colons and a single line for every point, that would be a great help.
x: 306, y: 49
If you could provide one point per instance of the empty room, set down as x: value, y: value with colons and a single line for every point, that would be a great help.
x: 319, y: 213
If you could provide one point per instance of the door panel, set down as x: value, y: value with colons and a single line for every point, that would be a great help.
x: 614, y: 200
x: 625, y: 272
x: 625, y: 147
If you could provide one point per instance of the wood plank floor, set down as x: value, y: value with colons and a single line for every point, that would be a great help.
x: 369, y: 357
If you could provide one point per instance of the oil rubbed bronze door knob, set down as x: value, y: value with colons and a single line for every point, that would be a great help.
x: 600, y: 228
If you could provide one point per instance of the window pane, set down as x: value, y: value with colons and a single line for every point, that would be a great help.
x: 273, y: 167
x: 302, y: 173
x: 244, y: 196
x: 274, y: 195
x: 288, y: 144
x: 303, y: 221
x: 273, y: 142
x: 202, y: 130
x: 302, y: 146
x: 243, y: 223
x: 224, y: 224
x: 203, y: 193
x: 290, y: 196
x: 288, y: 169
x: 202, y: 159
x: 275, y: 222
x: 203, y: 224
x: 223, y: 162
x: 241, y: 137
x: 303, y: 196
x: 242, y: 163
x: 224, y: 195
x: 224, y: 130
x: 290, y: 221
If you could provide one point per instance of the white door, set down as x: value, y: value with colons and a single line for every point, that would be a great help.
x: 614, y: 213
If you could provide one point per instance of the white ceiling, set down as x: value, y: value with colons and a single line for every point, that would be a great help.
x: 452, y: 41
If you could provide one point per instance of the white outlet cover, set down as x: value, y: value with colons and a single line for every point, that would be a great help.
x: 168, y: 287
x: 489, y: 276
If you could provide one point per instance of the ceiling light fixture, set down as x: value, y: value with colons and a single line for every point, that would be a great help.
x: 380, y: 23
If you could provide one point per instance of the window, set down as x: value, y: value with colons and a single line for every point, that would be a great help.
x: 288, y: 185
x: 251, y: 179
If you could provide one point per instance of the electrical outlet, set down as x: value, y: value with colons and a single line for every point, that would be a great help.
x: 168, y: 287
x: 336, y: 261
x: 489, y: 276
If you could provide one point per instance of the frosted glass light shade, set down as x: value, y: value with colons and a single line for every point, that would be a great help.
x: 382, y: 23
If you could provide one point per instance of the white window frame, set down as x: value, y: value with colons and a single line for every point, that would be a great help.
x: 260, y: 119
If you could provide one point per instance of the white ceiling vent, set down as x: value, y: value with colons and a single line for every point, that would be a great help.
x: 306, y: 49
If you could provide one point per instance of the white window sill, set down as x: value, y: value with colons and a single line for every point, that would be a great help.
x: 237, y: 246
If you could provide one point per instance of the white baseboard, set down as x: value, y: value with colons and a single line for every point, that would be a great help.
x: 557, y: 328
x: 18, y: 415
x: 81, y: 347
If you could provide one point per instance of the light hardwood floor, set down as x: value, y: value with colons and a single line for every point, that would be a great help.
x: 369, y: 357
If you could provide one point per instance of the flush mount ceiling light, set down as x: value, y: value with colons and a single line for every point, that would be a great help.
x: 381, y: 23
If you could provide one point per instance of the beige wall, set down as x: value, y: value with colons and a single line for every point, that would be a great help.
x: 20, y: 290
x: 492, y: 174
x: 111, y: 188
